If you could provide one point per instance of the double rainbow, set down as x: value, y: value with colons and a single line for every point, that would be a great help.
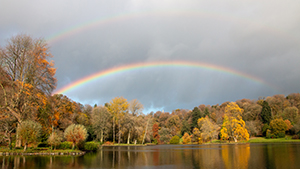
x: 136, y: 66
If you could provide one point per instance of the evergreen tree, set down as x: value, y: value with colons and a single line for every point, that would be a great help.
x: 266, y: 116
x: 185, y: 127
x: 196, y: 114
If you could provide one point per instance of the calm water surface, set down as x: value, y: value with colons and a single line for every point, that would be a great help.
x: 168, y: 156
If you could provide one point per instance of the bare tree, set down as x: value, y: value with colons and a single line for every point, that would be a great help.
x: 101, y: 122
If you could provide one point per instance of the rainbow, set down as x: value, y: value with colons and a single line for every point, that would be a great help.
x: 63, y: 34
x: 136, y: 66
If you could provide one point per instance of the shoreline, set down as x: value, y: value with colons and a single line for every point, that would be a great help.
x: 43, y: 154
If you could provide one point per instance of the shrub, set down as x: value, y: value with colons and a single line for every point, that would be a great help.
x: 175, y: 140
x: 295, y: 137
x: 91, y: 146
x: 155, y: 141
x: 278, y: 127
x: 29, y: 132
x: 65, y: 145
x: 75, y: 133
x: 54, y: 140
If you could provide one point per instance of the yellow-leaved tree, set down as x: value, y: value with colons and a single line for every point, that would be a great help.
x: 208, y: 129
x: 233, y: 126
x: 118, y: 106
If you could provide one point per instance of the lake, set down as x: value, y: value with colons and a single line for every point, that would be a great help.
x: 262, y: 156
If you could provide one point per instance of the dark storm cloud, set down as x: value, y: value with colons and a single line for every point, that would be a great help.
x: 254, y: 37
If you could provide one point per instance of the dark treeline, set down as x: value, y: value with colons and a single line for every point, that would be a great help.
x: 30, y: 114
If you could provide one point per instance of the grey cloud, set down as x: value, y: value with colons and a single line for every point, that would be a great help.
x: 258, y: 38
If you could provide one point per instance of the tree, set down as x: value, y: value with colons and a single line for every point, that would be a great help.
x: 54, y: 139
x: 117, y: 107
x: 266, y: 113
x: 101, y: 122
x: 75, y: 133
x: 155, y: 134
x: 185, y: 127
x: 135, y: 107
x: 208, y: 128
x: 233, y: 126
x: 29, y: 132
x: 28, y: 77
x: 174, y: 123
x: 27, y: 70
x: 197, y: 135
x: 186, y: 138
x: 196, y: 114
x: 278, y: 127
x: 175, y: 140
x: 290, y: 113
x: 165, y: 135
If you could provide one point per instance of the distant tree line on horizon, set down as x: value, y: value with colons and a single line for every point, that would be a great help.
x: 30, y: 114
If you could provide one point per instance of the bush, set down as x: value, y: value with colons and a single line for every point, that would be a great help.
x: 65, y: 145
x: 295, y: 137
x: 29, y: 132
x: 175, y: 140
x: 54, y: 140
x: 76, y: 133
x: 91, y: 146
x: 278, y: 126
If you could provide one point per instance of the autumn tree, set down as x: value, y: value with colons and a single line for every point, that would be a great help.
x: 101, y: 123
x: 290, y: 113
x: 233, y: 126
x: 278, y: 127
x: 75, y: 133
x: 197, y: 135
x: 208, y: 128
x: 174, y: 123
x: 155, y: 133
x: 54, y: 139
x: 186, y: 138
x: 26, y: 69
x: 165, y: 135
x: 29, y: 73
x: 135, y: 107
x: 29, y: 132
x: 118, y: 107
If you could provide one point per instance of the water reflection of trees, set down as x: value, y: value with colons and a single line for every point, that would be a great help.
x: 198, y: 156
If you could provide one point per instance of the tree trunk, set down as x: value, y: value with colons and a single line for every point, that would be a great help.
x: 145, y: 131
x: 101, y: 137
x: 119, y: 132
x: 73, y: 146
x: 18, y: 140
x: 235, y: 140
x: 128, y: 137
x: 25, y: 146
x: 114, y: 132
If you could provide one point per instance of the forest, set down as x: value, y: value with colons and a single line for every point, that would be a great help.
x: 30, y: 114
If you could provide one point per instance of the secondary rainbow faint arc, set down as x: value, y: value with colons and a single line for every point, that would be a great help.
x: 141, y: 65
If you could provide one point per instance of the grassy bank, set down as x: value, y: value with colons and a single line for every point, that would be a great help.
x: 124, y: 145
x: 287, y: 139
x: 38, y: 150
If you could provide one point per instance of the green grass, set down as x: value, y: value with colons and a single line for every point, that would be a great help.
x: 287, y: 139
x: 37, y: 150
x: 122, y: 144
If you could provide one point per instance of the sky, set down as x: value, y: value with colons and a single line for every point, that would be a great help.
x: 243, y: 49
